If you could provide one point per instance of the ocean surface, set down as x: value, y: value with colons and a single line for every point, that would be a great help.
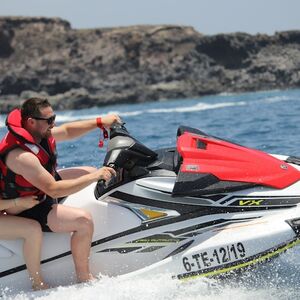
x: 268, y: 121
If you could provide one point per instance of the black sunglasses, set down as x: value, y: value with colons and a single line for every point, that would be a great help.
x: 49, y: 120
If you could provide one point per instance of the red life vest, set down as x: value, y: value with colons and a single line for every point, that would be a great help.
x: 13, y: 185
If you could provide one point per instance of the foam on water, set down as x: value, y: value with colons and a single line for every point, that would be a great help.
x: 158, y: 287
x: 276, y: 280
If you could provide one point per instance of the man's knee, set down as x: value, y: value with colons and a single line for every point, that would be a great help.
x: 85, y: 221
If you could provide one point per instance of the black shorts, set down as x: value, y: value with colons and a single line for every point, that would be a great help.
x: 40, y: 213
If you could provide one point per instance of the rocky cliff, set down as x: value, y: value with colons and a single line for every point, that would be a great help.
x: 84, y: 68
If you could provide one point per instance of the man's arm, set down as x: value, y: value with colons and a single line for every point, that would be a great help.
x: 27, y: 164
x: 76, y: 129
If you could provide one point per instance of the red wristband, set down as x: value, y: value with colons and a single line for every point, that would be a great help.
x: 99, y: 123
x: 105, y: 133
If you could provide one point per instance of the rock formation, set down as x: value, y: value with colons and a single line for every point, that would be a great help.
x: 92, y: 67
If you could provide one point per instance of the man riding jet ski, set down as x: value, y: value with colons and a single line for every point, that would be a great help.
x: 202, y: 208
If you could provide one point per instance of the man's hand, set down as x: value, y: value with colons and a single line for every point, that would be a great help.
x: 108, y: 120
x: 105, y: 173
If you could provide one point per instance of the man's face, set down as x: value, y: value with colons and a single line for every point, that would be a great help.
x: 40, y: 126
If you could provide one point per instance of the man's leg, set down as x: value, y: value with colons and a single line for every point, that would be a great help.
x: 70, y: 219
x: 13, y: 227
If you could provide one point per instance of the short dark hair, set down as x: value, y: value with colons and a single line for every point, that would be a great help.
x: 31, y: 107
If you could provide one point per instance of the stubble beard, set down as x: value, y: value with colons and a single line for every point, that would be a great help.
x: 47, y: 134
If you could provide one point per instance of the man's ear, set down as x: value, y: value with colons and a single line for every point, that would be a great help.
x: 29, y: 121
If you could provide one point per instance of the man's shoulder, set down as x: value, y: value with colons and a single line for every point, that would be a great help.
x: 18, y: 153
x: 21, y: 161
x: 17, y: 150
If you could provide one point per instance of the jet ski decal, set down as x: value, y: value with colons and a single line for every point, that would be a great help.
x: 158, y: 238
x: 159, y: 241
x: 121, y: 250
x: 181, y: 248
x: 194, y: 230
x: 191, y: 209
x: 171, y: 237
x: 262, y: 201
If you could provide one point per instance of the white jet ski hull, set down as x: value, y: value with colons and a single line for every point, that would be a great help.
x: 123, y: 243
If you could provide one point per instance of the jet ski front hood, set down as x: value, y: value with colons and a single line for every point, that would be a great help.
x: 209, y: 161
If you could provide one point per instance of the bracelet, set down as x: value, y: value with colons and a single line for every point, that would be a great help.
x: 99, y: 123
x: 15, y: 202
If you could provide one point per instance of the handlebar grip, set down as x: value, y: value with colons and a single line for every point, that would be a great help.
x: 101, y: 181
x: 111, y: 165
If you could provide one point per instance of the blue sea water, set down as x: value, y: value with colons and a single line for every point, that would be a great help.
x: 267, y: 120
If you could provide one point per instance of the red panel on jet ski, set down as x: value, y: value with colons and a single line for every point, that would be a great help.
x: 232, y: 162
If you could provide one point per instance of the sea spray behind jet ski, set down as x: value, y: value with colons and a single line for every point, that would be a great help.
x: 165, y: 213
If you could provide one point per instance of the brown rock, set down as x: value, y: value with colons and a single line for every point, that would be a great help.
x: 83, y: 68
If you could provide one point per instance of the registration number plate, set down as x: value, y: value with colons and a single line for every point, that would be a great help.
x: 214, y: 257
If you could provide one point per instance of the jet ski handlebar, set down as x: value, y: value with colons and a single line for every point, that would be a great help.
x: 124, y: 154
x: 118, y: 129
x: 124, y: 151
x: 102, y: 181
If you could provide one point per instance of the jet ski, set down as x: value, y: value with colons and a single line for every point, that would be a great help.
x: 206, y: 207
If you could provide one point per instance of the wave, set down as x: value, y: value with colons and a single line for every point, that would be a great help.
x: 197, y: 107
x: 277, y: 99
x: 201, y: 106
x: 73, y: 116
x: 2, y: 123
x: 159, y: 286
x: 128, y: 114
